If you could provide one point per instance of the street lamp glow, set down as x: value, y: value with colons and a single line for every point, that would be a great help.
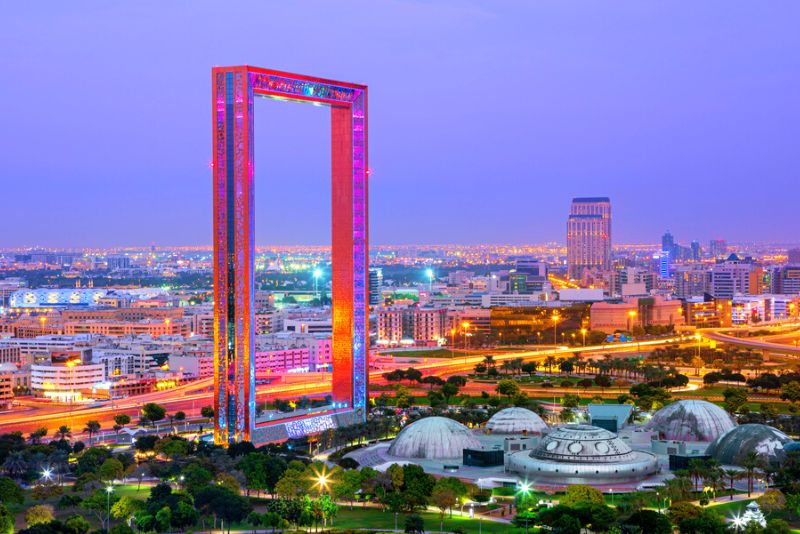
x: 109, y: 489
x: 47, y: 473
x: 317, y: 273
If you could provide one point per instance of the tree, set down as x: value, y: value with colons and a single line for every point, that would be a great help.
x: 458, y: 380
x: 38, y: 514
x: 414, y: 524
x: 153, y: 412
x: 570, y: 401
x: 697, y: 362
x: 63, y: 432
x: 777, y: 526
x: 509, y: 388
x: 444, y: 499
x: 92, y: 427
x: 566, y: 524
x: 650, y: 522
x: 735, y: 398
x: 223, y: 504
x: 6, y: 520
x: 402, y: 397
x: 180, y: 416
x: 125, y: 508
x: 580, y: 493
x: 773, y: 500
x: 122, y: 419
x: 110, y: 470
x: 196, y: 478
x: 706, y: 522
x: 10, y: 492
x: 346, y: 486
x: 207, y: 412
x: 76, y: 524
x: 185, y: 515
x: 433, y: 381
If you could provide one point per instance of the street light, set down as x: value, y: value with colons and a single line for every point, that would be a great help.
x: 465, y: 328
x: 109, y: 490
x: 631, y: 317
x: 317, y: 276
x: 523, y: 488
x: 583, y: 333
x: 429, y: 273
x: 47, y: 473
x: 556, y: 317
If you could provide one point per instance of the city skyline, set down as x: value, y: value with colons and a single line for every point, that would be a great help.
x: 678, y: 130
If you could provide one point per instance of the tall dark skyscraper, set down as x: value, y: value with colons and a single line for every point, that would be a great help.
x: 667, y: 242
x: 588, y: 235
x: 695, y: 250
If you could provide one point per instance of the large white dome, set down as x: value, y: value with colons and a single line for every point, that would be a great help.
x: 433, y: 438
x: 516, y: 421
x: 691, y: 420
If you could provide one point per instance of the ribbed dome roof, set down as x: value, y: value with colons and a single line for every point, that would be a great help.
x: 433, y: 437
x: 516, y: 421
x: 691, y: 420
x: 733, y: 446
x: 582, y: 443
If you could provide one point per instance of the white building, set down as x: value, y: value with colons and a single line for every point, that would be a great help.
x: 65, y: 383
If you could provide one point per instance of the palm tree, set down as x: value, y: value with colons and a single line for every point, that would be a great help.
x: 92, y: 427
x: 732, y: 475
x: 750, y: 463
x: 63, y: 432
x: 15, y: 465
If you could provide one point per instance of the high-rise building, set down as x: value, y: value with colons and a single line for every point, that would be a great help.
x: 717, y: 247
x: 667, y: 242
x: 588, y: 235
x: 695, y: 250
x: 785, y: 280
x: 691, y: 281
x: 375, y: 285
x: 733, y: 277
x: 663, y: 264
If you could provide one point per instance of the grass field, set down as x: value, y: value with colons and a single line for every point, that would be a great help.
x: 373, y: 518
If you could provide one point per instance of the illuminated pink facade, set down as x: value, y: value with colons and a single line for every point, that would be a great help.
x: 234, y: 89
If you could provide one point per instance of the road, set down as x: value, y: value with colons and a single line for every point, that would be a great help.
x: 191, y: 397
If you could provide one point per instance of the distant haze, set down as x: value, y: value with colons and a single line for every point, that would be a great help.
x: 486, y: 118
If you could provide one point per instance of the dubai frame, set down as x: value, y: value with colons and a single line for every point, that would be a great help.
x: 234, y: 89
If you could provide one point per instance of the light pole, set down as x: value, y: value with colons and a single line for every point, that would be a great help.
x: 524, y: 489
x: 631, y: 317
x: 465, y: 328
x: 698, y: 337
x: 429, y: 273
x: 583, y: 333
x: 109, y: 489
x: 317, y: 276
x: 555, y: 328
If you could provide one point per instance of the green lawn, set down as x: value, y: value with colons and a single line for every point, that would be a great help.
x: 373, y: 518
x: 131, y: 491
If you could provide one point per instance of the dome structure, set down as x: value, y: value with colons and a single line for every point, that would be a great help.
x: 691, y: 420
x: 583, y: 454
x: 733, y: 446
x: 433, y: 438
x: 515, y: 421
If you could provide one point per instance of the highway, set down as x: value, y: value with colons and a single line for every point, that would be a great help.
x: 192, y: 396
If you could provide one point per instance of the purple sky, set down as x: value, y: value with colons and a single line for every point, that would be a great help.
x: 485, y: 118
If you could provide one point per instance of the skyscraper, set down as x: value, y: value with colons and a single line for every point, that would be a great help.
x: 588, y: 235
x: 667, y: 242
